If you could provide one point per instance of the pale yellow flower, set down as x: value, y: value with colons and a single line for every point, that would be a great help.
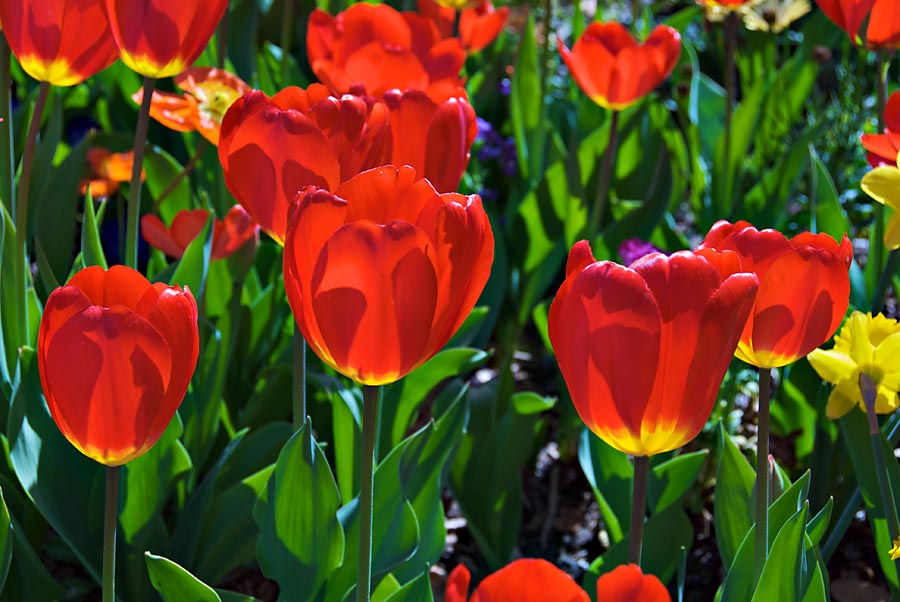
x: 865, y: 344
x: 775, y: 15
x: 895, y: 551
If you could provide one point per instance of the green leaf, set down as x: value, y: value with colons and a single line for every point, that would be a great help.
x: 672, y: 479
x: 611, y: 475
x: 529, y: 402
x: 6, y: 541
x: 161, y: 170
x: 818, y: 524
x: 175, y: 584
x: 417, y: 590
x: 194, y: 264
x: 780, y: 579
x: 301, y: 542
x: 91, y: 248
x: 527, y: 107
x: 732, y: 501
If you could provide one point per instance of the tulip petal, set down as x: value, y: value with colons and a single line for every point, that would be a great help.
x: 529, y: 580
x: 375, y: 291
x: 458, y: 581
x: 627, y: 583
x: 884, y: 25
x: 117, y: 286
x: 112, y: 391
x: 157, y: 235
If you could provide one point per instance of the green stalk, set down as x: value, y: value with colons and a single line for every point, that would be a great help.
x: 606, y: 168
x: 287, y: 31
x: 876, y: 251
x: 110, y: 523
x: 731, y: 33
x: 762, y: 473
x: 367, y: 492
x: 638, y: 508
x: 869, y: 392
x: 134, y: 192
x: 299, y: 370
x: 22, y: 272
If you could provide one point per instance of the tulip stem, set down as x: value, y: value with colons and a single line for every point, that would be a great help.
x: 606, y: 168
x: 134, y: 192
x: 876, y: 252
x: 287, y: 31
x: 869, y: 391
x: 198, y: 154
x: 638, y: 508
x: 24, y: 192
x: 732, y: 22
x: 110, y: 523
x: 762, y: 473
x: 299, y: 369
x: 367, y: 492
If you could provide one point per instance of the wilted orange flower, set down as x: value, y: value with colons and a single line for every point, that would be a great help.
x: 382, y: 272
x: 613, y: 69
x: 107, y: 171
x: 162, y: 38
x: 884, y: 148
x: 62, y: 42
x: 116, y: 354
x: 229, y: 234
x: 804, y: 289
x: 434, y: 138
x: 643, y: 349
x: 377, y: 48
x: 479, y: 25
x: 209, y: 94
x: 884, y: 20
x: 523, y: 580
x: 627, y: 583
x: 272, y: 147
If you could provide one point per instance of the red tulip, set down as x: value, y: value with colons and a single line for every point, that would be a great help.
x: 107, y: 171
x: 626, y: 583
x: 271, y: 148
x: 884, y: 148
x: 378, y: 49
x: 478, y: 25
x: 62, y: 42
x: 116, y: 355
x: 162, y: 38
x: 804, y: 289
x: 209, y: 94
x: 433, y: 138
x: 382, y: 272
x: 643, y: 349
x: 523, y: 580
x: 884, y: 20
x: 229, y: 234
x: 614, y: 70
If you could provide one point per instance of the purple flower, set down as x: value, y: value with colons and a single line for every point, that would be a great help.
x: 634, y: 248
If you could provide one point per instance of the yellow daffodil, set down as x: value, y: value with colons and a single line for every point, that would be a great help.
x: 883, y: 185
x: 895, y: 551
x: 865, y: 344
x: 775, y: 15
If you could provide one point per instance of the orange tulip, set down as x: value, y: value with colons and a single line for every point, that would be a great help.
x: 478, y: 25
x: 433, y: 138
x: 116, y: 355
x: 804, y: 289
x: 162, y: 38
x: 229, y: 234
x: 382, y: 272
x: 272, y: 147
x: 884, y: 148
x: 62, y: 42
x: 523, y: 580
x: 614, y: 70
x: 627, y: 583
x: 209, y: 94
x: 643, y: 349
x: 107, y: 171
x: 376, y: 48
x: 884, y: 20
x: 726, y: 5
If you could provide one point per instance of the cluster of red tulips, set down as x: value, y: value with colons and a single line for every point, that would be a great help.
x: 356, y: 178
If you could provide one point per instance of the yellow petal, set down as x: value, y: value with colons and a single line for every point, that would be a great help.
x: 832, y: 365
x: 883, y: 185
x: 838, y: 405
